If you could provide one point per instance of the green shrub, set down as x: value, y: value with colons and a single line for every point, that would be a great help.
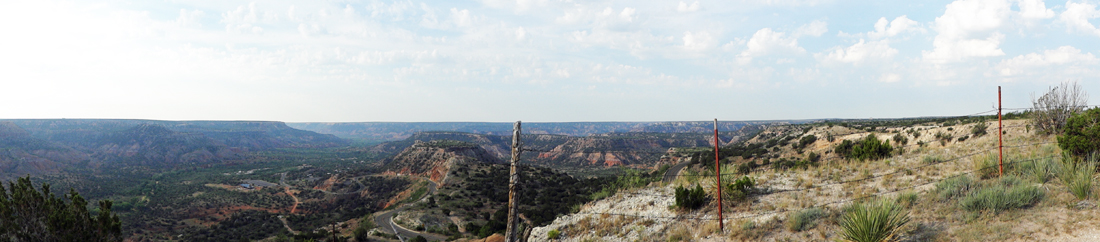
x: 868, y: 148
x: 807, y: 140
x: 690, y: 198
x: 1080, y: 133
x: 1077, y: 177
x: 745, y: 168
x: 953, y: 187
x: 901, y: 139
x: 741, y: 188
x: 804, y: 219
x: 553, y: 234
x: 979, y: 129
x: 813, y: 157
x: 874, y: 222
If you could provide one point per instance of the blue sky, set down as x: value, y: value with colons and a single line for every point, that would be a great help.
x: 537, y: 60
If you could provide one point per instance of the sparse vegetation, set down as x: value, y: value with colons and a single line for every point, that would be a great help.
x: 804, y: 219
x: 932, y: 159
x: 954, y: 187
x: 553, y: 234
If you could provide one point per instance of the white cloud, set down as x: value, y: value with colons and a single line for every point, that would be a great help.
x: 767, y: 42
x: 244, y: 19
x: 521, y: 33
x: 901, y: 24
x: 517, y: 6
x: 1034, y: 10
x: 607, y: 18
x: 310, y: 29
x: 815, y: 28
x: 1077, y: 15
x: 1026, y: 64
x: 627, y: 14
x: 396, y: 11
x: 968, y: 28
x: 462, y: 18
x: 189, y: 18
x: 684, y: 7
x: 698, y: 41
x: 889, y: 78
x: 861, y: 53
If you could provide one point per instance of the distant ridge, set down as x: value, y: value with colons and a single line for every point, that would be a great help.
x: 393, y: 131
x: 44, y: 146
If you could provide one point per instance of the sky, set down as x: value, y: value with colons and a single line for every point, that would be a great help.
x: 538, y: 60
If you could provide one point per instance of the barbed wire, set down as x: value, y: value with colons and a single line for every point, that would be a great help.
x: 823, y: 205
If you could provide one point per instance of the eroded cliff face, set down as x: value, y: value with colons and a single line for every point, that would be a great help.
x: 434, y: 160
x: 638, y: 150
x: 22, y: 154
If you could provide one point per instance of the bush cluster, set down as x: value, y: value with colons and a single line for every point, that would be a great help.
x: 740, y: 189
x: 868, y: 148
x: 690, y: 198
x: 1081, y: 132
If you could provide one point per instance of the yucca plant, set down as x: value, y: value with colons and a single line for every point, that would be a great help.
x: 873, y: 222
x: 1077, y: 176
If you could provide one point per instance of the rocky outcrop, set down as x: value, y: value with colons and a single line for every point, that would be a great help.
x: 435, y: 159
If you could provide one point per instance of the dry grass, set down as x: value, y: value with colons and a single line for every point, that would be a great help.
x: 913, y: 172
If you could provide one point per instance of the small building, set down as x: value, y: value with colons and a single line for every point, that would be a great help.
x: 246, y: 186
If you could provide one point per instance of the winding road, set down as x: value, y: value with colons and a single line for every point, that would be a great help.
x: 384, y: 220
x: 674, y: 171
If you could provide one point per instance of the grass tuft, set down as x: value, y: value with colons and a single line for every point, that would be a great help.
x: 1009, y: 192
x: 804, y: 219
x: 953, y: 187
x: 1077, y: 176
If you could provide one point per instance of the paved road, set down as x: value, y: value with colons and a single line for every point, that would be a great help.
x: 384, y: 220
x: 674, y: 171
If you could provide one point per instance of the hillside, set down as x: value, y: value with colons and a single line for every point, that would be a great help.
x: 472, y: 191
x: 592, y: 154
x: 22, y: 154
x: 37, y: 147
x: 800, y: 200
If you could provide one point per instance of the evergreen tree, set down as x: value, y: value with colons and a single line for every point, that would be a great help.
x: 27, y: 214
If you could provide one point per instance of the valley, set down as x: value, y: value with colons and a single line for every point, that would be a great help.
x: 802, y: 178
x: 219, y: 181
